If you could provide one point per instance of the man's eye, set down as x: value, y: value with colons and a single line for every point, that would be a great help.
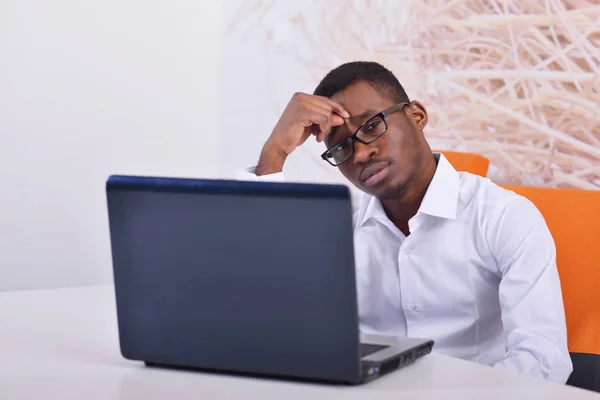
x: 340, y: 148
x: 373, y: 125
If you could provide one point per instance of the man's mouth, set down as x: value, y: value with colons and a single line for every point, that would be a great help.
x: 375, y: 173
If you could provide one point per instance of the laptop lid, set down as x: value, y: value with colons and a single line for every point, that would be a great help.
x: 251, y: 277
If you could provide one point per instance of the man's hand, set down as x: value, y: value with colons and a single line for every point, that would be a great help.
x: 304, y: 115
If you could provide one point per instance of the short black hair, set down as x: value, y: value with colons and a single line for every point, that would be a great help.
x: 375, y: 74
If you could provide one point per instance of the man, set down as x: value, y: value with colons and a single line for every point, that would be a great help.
x: 440, y: 254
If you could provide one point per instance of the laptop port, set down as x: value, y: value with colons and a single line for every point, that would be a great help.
x: 423, y: 350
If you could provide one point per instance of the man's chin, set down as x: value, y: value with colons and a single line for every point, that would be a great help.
x: 391, y: 193
x: 385, y: 192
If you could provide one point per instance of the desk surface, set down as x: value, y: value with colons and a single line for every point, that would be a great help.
x: 63, y: 344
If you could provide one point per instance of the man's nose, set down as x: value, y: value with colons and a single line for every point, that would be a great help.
x: 363, y: 152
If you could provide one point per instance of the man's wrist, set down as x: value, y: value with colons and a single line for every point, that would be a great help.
x: 272, y: 159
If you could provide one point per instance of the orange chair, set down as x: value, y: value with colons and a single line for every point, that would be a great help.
x: 573, y: 217
x: 467, y: 162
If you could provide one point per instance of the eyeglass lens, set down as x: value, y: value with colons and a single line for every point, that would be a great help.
x: 368, y: 133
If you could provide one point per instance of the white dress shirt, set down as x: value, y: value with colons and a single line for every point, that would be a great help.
x: 477, y: 274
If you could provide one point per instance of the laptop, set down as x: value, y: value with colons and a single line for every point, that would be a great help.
x: 242, y: 277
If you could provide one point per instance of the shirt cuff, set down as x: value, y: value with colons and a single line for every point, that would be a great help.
x: 248, y: 174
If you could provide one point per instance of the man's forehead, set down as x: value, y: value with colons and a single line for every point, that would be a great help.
x: 361, y: 97
x: 350, y: 124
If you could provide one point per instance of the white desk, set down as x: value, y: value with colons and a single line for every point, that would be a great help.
x: 63, y: 344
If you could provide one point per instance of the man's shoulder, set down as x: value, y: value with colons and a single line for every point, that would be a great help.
x: 497, y: 207
x: 487, y: 195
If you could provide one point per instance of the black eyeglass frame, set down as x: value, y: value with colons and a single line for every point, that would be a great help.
x: 354, y: 137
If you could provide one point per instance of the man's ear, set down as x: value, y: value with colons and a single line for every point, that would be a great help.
x: 418, y: 114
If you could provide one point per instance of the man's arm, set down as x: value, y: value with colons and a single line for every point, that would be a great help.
x: 269, y: 167
x: 271, y: 160
x: 304, y: 115
x: 530, y: 294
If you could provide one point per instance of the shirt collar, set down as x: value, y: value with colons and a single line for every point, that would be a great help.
x: 441, y: 197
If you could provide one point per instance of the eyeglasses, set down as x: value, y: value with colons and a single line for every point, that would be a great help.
x: 367, y: 133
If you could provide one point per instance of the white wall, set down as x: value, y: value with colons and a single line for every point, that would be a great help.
x: 260, y: 76
x: 88, y: 89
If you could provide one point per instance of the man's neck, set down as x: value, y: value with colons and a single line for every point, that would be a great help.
x: 402, y: 208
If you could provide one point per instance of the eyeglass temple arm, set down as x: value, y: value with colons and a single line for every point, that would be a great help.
x: 395, y: 108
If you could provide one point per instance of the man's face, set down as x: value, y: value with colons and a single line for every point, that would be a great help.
x: 384, y: 167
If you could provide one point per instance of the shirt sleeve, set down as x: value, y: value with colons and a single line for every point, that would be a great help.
x: 530, y: 294
x: 248, y: 174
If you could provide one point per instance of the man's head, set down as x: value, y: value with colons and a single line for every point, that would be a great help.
x: 365, y: 89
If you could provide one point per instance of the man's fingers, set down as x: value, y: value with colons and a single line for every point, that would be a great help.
x: 320, y: 116
x: 315, y: 114
x: 315, y: 129
x: 321, y: 108
x: 335, y: 120
x: 324, y: 128
x: 317, y: 108
x: 336, y: 107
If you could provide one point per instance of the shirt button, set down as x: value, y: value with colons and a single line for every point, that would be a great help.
x: 410, y: 307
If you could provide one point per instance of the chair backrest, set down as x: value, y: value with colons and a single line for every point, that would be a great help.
x: 573, y: 217
x: 467, y: 162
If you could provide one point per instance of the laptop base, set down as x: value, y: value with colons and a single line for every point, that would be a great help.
x: 371, y: 370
